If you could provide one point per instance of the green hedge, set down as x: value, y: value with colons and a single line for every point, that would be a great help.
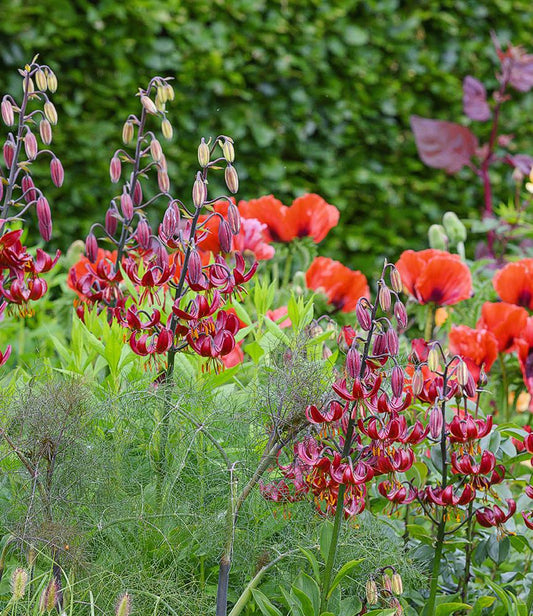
x: 316, y: 93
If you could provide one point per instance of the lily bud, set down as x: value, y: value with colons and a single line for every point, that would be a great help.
x: 199, y: 191
x: 115, y: 169
x: 400, y: 313
x: 397, y: 381
x: 170, y: 222
x: 462, y: 373
x: 8, y: 115
x: 228, y: 151
x: 40, y: 80
x: 156, y: 150
x: 149, y: 105
x: 30, y: 87
x: 52, y: 81
x: 45, y: 130
x: 9, y: 153
x: 397, y: 584
x: 203, y: 153
x: 126, y: 205
x: 91, y: 247
x: 387, y: 582
x: 385, y: 298
x: 137, y: 194
x: 44, y: 218
x: 436, y: 422
x: 194, y: 268
x: 433, y: 359
x: 396, y: 280
x: 143, y: 234
x: 123, y: 607
x: 371, y: 591
x: 166, y: 129
x: 30, y: 145
x: 224, y: 236
x: 417, y: 382
x: 162, y: 164
x: 161, y: 255
x: 353, y: 363
x: 56, y: 171
x: 28, y: 189
x: 127, y: 132
x: 169, y: 91
x: 163, y: 181
x: 363, y: 316
x: 50, y: 112
x: 470, y: 387
x: 111, y: 220
x: 232, y: 179
x: 159, y: 102
x: 234, y: 218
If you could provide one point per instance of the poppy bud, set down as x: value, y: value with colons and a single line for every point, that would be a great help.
x: 143, y: 234
x: 228, y: 151
x: 9, y: 153
x: 52, y: 81
x: 91, y: 247
x: 137, y: 194
x: 433, y: 359
x: 115, y: 169
x: 363, y: 316
x: 396, y: 280
x: 224, y: 236
x: 30, y: 145
x: 397, y: 381
x: 45, y: 130
x: 40, y: 80
x: 393, y: 343
x: 435, y: 422
x: 353, y: 363
x: 397, y: 584
x: 387, y: 583
x: 166, y: 129
x: 8, y: 115
x: 56, y: 171
x: 417, y: 383
x: 400, y: 313
x: 19, y: 580
x: 437, y: 237
x: 27, y: 186
x: 163, y: 181
x: 454, y: 228
x: 148, y: 104
x: 127, y: 132
x: 234, y: 218
x: 49, y: 597
x: 126, y: 205
x: 156, y: 150
x: 462, y: 373
x: 199, y: 191
x: 385, y: 298
x: 123, y: 607
x: 371, y: 591
x: 50, y: 112
x: 232, y: 179
x: 111, y: 220
x: 194, y: 268
x: 44, y: 218
x: 203, y: 153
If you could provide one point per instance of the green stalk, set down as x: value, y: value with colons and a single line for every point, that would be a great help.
x: 469, y: 550
x: 505, y: 387
x: 430, y: 320
x: 529, y: 601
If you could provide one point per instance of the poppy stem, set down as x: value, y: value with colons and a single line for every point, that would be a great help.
x: 430, y: 320
x: 468, y: 552
x: 505, y: 388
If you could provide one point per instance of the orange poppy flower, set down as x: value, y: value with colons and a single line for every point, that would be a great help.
x: 308, y: 216
x: 83, y: 267
x: 343, y: 286
x: 524, y: 346
x: 435, y: 276
x: 514, y: 283
x: 478, y: 348
x: 505, y: 321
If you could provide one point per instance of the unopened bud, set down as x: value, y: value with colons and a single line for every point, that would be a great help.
x: 126, y: 205
x: 56, y: 171
x: 163, y: 181
x: 159, y: 102
x: 9, y: 153
x: 30, y: 145
x: 45, y: 130
x: 203, y: 153
x: 397, y: 584
x: 417, y: 382
x: 161, y: 255
x: 396, y: 280
x: 397, y: 381
x: 385, y: 298
x: 91, y: 247
x: 380, y: 345
x: 363, y: 316
x: 44, y: 218
x: 462, y: 373
x: 483, y: 379
x: 161, y: 93
x: 115, y: 169
x: 144, y: 234
x: 169, y: 91
x: 234, y: 218
x: 50, y: 112
x: 437, y: 237
x: 166, y: 129
x: 19, y: 580
x: 454, y: 228
x: 400, y: 313
x: 470, y: 387
x: 228, y: 150
x: 127, y: 132
x: 30, y: 88
x: 224, y: 236
x: 387, y: 583
x: 353, y: 363
x: 52, y: 81
x: 194, y: 268
x: 433, y: 359
x: 436, y: 422
x: 137, y: 193
x: 28, y: 189
x: 156, y: 150
x: 111, y: 220
x: 393, y: 343
x: 40, y: 80
x: 199, y: 191
x: 49, y: 597
x: 169, y: 225
x: 148, y: 104
x: 371, y: 591
x: 232, y: 179
x: 123, y: 607
x: 8, y: 115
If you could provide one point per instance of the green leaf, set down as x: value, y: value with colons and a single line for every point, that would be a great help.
x: 343, y: 572
x: 310, y: 589
x: 449, y: 608
x: 264, y: 604
x: 326, y: 533
x: 240, y: 311
x: 305, y: 601
x: 313, y: 562
x: 276, y: 331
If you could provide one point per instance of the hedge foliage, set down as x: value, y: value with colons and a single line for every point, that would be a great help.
x: 316, y: 93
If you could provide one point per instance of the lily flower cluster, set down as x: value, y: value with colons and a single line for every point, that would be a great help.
x: 20, y: 270
x: 158, y: 284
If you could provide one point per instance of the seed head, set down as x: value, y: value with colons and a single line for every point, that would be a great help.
x: 49, y: 596
x: 123, y: 607
x: 19, y: 580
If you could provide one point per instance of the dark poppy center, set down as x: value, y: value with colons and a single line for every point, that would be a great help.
x: 303, y: 231
x: 524, y: 299
x: 436, y: 296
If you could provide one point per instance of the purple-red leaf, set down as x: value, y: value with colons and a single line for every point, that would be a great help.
x: 522, y: 162
x: 443, y: 145
x: 475, y: 103
x: 517, y: 66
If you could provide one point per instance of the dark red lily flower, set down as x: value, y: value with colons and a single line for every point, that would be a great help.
x: 396, y: 461
x: 435, y: 276
x: 154, y: 275
x: 495, y: 516
x: 198, y: 308
x: 447, y: 497
x: 477, y: 347
x: 505, y: 321
x: 468, y: 429
x: 333, y: 412
x: 5, y: 355
x: 214, y: 338
x: 21, y: 292
x: 133, y: 321
x: 360, y: 389
x: 227, y: 280
x: 397, y: 493
x: 43, y: 262
x: 13, y: 254
x: 528, y: 519
x: 465, y: 465
x: 157, y: 343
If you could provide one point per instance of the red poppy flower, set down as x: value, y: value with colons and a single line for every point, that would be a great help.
x: 505, y: 321
x: 524, y: 345
x: 308, y: 216
x: 83, y: 267
x: 478, y: 348
x: 435, y: 276
x: 343, y: 286
x: 514, y: 283
x: 277, y: 314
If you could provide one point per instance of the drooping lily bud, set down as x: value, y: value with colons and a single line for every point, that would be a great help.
x: 91, y: 247
x: 462, y: 373
x: 400, y: 313
x: 156, y: 150
x: 166, y: 129
x: 396, y: 280
x: 9, y: 153
x: 228, y: 151
x: 234, y: 218
x: 137, y: 194
x: 50, y: 112
x: 363, y: 316
x: 127, y: 132
x: 232, y: 179
x: 111, y: 220
x: 56, y: 172
x: 45, y: 130
x: 203, y: 153
x: 435, y: 422
x: 40, y: 80
x: 126, y: 205
x: 149, y: 105
x: 224, y: 236
x: 397, y: 381
x: 115, y: 169
x: 8, y: 115
x: 143, y: 234
x: 194, y: 269
x: 393, y: 344
x: 353, y: 363
x: 52, y: 81
x: 163, y: 181
x: 397, y: 584
x: 433, y: 359
x: 417, y: 382
x: 199, y: 191
x: 371, y: 591
x: 30, y: 145
x: 28, y: 189
x: 385, y: 298
x: 44, y: 218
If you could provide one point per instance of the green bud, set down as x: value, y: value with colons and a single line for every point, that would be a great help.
x: 437, y: 237
x: 454, y: 228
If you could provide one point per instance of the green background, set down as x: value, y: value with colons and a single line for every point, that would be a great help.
x: 317, y: 95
